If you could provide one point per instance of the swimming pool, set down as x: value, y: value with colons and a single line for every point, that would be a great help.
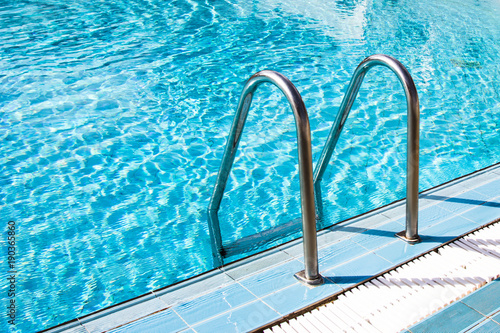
x: 114, y: 117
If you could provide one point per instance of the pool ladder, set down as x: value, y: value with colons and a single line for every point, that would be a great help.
x: 310, y: 189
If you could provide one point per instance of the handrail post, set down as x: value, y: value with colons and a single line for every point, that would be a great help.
x: 310, y: 275
x: 411, y: 233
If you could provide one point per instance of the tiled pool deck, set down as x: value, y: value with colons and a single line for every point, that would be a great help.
x: 477, y: 312
x: 249, y: 294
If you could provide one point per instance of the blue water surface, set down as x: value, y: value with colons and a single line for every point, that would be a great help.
x: 114, y: 116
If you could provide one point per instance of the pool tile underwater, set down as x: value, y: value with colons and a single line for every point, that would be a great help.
x: 261, y: 289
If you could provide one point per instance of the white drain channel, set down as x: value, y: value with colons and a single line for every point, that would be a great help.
x: 411, y: 292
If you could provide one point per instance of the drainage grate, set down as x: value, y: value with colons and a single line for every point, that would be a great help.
x: 411, y: 292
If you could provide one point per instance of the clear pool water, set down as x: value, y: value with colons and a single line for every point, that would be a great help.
x: 114, y: 116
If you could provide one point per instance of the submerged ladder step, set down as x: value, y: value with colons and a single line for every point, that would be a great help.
x: 248, y: 243
x: 409, y: 293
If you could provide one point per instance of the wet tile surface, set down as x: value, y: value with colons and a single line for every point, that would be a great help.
x: 476, y: 312
x: 484, y: 214
x: 453, y: 227
x: 273, y: 279
x: 401, y: 251
x: 490, y: 189
x: 357, y: 270
x: 496, y: 317
x: 165, y: 321
x: 483, y: 304
x: 339, y: 253
x: 462, y: 202
x: 240, y: 320
x: 212, y: 304
x: 299, y: 296
x: 454, y: 318
x: 487, y: 326
x: 261, y: 289
x: 138, y: 309
x: 378, y: 237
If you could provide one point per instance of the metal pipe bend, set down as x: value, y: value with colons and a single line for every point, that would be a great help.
x: 305, y: 168
x: 413, y: 110
x: 397, y: 68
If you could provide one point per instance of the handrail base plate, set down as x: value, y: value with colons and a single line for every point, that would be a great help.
x: 301, y: 276
x: 410, y: 241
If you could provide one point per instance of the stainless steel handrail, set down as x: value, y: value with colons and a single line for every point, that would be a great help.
x: 310, y: 275
x: 411, y: 233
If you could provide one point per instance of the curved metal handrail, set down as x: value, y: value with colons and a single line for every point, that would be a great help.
x: 411, y: 234
x: 311, y: 273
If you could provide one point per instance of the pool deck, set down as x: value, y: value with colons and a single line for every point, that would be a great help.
x: 477, y: 312
x: 253, y: 292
